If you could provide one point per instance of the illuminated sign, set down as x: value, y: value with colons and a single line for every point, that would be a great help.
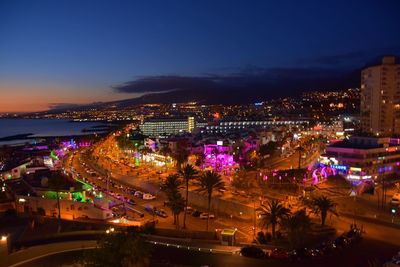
x: 338, y: 167
x: 354, y: 169
x: 358, y: 177
x: 220, y: 143
x: 391, y: 149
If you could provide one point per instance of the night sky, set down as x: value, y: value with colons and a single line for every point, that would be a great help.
x: 59, y: 52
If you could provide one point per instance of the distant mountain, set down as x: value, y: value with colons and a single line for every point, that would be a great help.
x: 250, y: 93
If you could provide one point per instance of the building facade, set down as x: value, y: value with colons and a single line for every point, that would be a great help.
x: 364, y: 158
x: 380, y: 98
x: 168, y: 126
x: 231, y: 126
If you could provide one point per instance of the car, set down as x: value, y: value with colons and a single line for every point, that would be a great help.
x: 161, y: 213
x: 189, y: 210
x: 395, y: 199
x: 252, y: 252
x: 148, y: 196
x: 341, y: 242
x: 139, y: 194
x: 300, y: 254
x: 279, y: 254
x: 132, y: 191
x: 131, y: 201
x: 205, y: 216
x: 150, y: 209
x: 196, y: 213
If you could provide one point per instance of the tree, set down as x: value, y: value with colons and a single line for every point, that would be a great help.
x: 181, y: 157
x: 146, y: 150
x: 177, y: 205
x: 297, y: 227
x: 300, y: 150
x: 268, y: 149
x: 272, y: 214
x: 176, y: 201
x: 171, y: 184
x: 119, y: 249
x: 209, y: 182
x: 322, y: 205
x: 57, y: 182
x: 200, y: 159
x: 188, y: 173
x: 165, y: 150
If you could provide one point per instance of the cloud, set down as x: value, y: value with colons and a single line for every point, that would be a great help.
x: 359, y: 58
x: 163, y: 83
x: 249, y: 78
x: 345, y: 58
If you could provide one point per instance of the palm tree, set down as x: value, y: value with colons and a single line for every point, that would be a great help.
x: 171, y: 184
x: 297, y: 227
x: 187, y: 173
x: 181, y: 157
x: 177, y: 205
x: 165, y: 150
x: 322, y: 205
x: 57, y: 182
x: 272, y: 214
x: 176, y: 201
x: 209, y: 182
x: 300, y: 149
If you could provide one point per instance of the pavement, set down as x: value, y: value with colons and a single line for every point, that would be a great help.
x: 24, y: 256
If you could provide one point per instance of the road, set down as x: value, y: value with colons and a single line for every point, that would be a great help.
x: 353, y: 256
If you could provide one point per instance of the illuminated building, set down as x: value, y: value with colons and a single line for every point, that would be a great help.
x: 380, y: 98
x: 191, y: 124
x: 229, y: 126
x: 167, y: 126
x: 219, y: 158
x: 363, y: 158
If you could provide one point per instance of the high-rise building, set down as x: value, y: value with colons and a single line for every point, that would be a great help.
x: 380, y: 98
x: 168, y: 126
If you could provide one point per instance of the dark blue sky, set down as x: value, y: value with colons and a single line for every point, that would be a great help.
x: 75, y: 51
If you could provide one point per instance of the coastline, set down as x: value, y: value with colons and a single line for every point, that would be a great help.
x: 28, y: 135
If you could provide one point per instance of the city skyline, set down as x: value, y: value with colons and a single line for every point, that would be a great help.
x: 56, y: 54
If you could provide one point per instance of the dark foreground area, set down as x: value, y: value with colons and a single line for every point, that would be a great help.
x: 356, y: 255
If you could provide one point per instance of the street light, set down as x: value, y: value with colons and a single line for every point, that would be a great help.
x: 3, y: 238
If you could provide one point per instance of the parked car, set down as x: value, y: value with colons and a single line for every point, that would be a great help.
x: 395, y: 199
x: 149, y: 208
x: 300, y: 254
x: 196, y: 213
x: 278, y: 253
x: 139, y: 194
x: 341, y: 242
x: 148, y: 196
x: 252, y: 252
x: 161, y: 213
x: 205, y: 215
x: 131, y: 201
x: 189, y: 210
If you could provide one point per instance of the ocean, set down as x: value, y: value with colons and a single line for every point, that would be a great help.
x: 46, y: 128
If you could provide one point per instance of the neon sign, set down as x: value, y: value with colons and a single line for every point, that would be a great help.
x: 338, y: 167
